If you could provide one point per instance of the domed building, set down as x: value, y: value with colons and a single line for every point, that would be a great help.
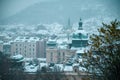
x: 79, y: 37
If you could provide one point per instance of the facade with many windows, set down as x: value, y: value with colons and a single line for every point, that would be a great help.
x: 27, y: 47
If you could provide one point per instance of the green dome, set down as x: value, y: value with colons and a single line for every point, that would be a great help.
x: 80, y: 34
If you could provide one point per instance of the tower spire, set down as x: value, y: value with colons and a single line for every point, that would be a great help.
x: 80, y: 24
x: 69, y: 23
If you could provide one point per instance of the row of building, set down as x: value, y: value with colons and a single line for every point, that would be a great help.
x: 30, y: 47
x: 54, y: 49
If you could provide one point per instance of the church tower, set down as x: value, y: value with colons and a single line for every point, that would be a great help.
x: 80, y: 25
x: 68, y: 24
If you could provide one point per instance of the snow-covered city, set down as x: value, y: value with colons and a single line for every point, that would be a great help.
x: 82, y: 44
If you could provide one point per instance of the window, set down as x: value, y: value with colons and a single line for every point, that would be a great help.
x: 25, y: 55
x: 51, y: 57
x: 25, y: 51
x: 16, y: 49
x: 16, y: 44
x: 59, y: 54
x: 33, y: 45
x: 63, y: 56
x: 59, y: 57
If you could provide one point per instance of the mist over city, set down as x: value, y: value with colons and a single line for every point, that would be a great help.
x: 59, y: 39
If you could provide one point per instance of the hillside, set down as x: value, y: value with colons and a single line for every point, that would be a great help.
x: 59, y: 11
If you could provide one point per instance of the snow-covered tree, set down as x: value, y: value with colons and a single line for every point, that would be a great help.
x: 103, y: 57
x: 9, y: 69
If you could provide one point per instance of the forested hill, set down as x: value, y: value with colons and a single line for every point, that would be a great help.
x: 60, y: 10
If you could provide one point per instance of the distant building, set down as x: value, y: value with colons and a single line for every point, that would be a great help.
x: 17, y: 62
x: 68, y: 26
x: 5, y: 38
x: 7, y: 48
x: 41, y: 48
x: 2, y: 37
x: 57, y: 54
x: 60, y: 53
x: 77, y: 42
x: 29, y: 47
x: 1, y: 46
x: 79, y: 38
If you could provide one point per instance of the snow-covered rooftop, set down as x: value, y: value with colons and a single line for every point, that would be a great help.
x: 80, y: 31
x: 31, y: 68
x: 51, y: 41
x: 1, y: 42
x: 62, y: 46
x: 41, y: 59
x: 42, y: 32
x: 43, y: 64
x: 81, y: 50
x: 82, y: 69
x: 76, y: 64
x: 68, y: 68
x: 62, y: 40
x: 25, y: 39
x: 28, y: 59
x: 8, y: 43
x: 17, y: 56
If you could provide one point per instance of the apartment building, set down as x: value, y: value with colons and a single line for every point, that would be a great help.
x: 27, y: 46
x: 41, y: 48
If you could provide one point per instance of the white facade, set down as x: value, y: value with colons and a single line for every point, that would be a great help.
x: 27, y: 49
x: 25, y: 46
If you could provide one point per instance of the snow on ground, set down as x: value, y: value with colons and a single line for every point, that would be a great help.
x: 31, y: 68
x: 43, y: 64
x: 68, y: 68
x: 81, y: 50
x: 82, y: 69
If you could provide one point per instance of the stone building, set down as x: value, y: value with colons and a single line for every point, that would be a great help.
x: 57, y: 54
x: 80, y: 37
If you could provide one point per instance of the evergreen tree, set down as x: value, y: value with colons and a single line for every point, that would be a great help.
x: 9, y: 69
x: 103, y: 57
x: 4, y: 66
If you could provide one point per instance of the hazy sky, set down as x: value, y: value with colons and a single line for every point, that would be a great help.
x: 10, y: 7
